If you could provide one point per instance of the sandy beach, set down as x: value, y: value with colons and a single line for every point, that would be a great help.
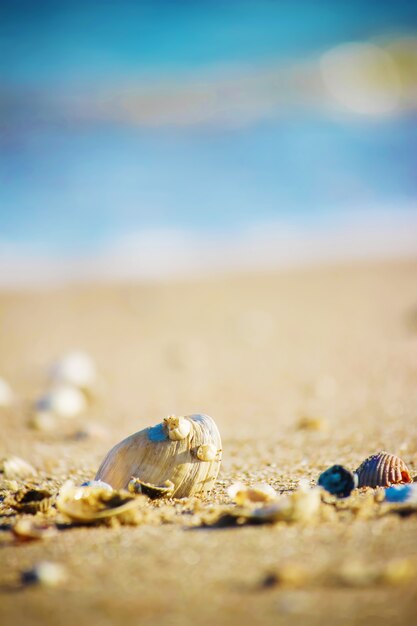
x: 333, y: 346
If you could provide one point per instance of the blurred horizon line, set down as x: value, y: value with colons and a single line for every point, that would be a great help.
x: 164, y: 253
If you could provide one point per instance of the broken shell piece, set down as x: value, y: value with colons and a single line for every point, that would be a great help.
x: 338, y: 481
x: 76, y: 369
x: 97, y: 483
x: 91, y: 504
x: 45, y: 573
x: 26, y: 529
x: 62, y: 401
x: 383, y: 470
x: 15, y: 467
x: 302, y: 506
x: 207, y: 452
x: 243, y: 495
x: 162, y: 452
x: 402, y: 494
x: 32, y: 501
x: 177, y: 427
x: 152, y: 491
x: 42, y: 421
x: 6, y: 394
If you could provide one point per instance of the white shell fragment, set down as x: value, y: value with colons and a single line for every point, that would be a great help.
x: 15, y: 467
x: 97, y: 483
x: 75, y: 368
x: 45, y: 573
x: 62, y: 401
x: 91, y: 504
x: 302, y: 506
x: 27, y: 529
x: 243, y: 495
x: 6, y: 394
x: 167, y: 452
x: 152, y: 491
x: 42, y: 421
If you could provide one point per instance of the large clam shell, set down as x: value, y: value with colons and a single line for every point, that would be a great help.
x: 382, y: 470
x: 183, y: 450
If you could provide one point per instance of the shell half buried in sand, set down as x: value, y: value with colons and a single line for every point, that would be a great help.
x: 383, y: 470
x: 92, y: 504
x: 170, y: 451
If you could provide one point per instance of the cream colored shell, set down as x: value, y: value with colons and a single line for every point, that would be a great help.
x: 153, y: 457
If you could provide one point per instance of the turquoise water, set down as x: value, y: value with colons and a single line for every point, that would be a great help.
x: 71, y: 183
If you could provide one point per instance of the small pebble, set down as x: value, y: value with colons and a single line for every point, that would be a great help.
x: 291, y: 575
x: 45, y: 573
x: 77, y: 369
x: 311, y: 423
x: 62, y: 401
x: 338, y: 481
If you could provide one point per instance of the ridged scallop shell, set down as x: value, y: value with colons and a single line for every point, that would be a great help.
x: 166, y: 452
x: 382, y: 470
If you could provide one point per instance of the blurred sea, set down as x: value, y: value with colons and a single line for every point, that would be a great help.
x: 157, y: 138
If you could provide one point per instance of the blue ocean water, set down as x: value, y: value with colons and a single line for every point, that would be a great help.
x: 71, y: 183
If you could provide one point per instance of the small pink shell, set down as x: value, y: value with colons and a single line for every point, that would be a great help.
x: 382, y: 470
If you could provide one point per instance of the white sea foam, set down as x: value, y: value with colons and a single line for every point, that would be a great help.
x: 161, y: 254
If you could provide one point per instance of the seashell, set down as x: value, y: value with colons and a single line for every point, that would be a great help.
x: 242, y: 494
x: 76, y: 369
x: 177, y: 428
x: 42, y: 421
x: 382, y: 470
x: 91, y: 504
x: 338, y: 481
x: 45, y: 573
x: 302, y: 506
x: 167, y: 451
x: 97, y: 483
x: 15, y: 467
x: 152, y: 491
x: 32, y: 501
x: 26, y: 529
x: 402, y: 494
x: 62, y: 401
x: 6, y: 394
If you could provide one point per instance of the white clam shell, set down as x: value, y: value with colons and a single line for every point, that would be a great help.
x: 62, y: 401
x: 76, y: 368
x: 153, y: 457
